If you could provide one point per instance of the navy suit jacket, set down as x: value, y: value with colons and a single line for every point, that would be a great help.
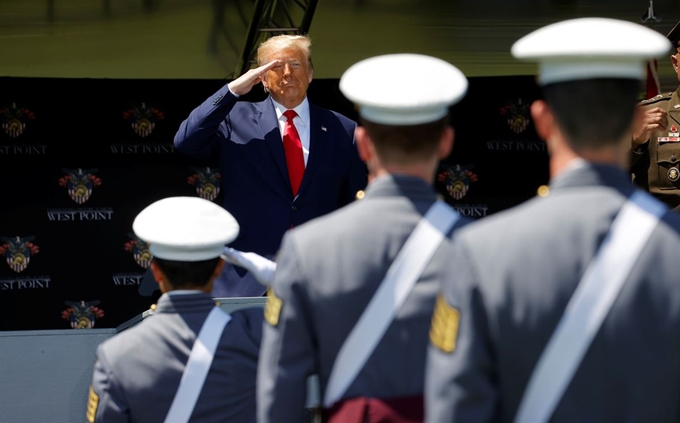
x: 246, y: 138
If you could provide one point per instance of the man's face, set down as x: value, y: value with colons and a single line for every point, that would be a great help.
x: 288, y: 81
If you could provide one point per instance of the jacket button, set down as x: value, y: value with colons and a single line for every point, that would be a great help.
x: 294, y: 208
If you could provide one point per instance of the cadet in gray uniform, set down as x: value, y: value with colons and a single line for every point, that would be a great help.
x: 655, y: 157
x: 330, y: 269
x: 137, y: 373
x: 512, y: 338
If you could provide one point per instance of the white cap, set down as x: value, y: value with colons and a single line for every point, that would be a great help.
x: 403, y: 89
x: 185, y: 228
x: 589, y: 48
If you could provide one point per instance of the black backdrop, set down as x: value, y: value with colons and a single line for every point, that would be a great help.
x: 81, y: 157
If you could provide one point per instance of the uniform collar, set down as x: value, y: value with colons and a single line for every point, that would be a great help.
x: 184, y: 302
x: 400, y: 186
x: 585, y: 174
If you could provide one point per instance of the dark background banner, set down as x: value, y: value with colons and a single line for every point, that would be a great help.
x: 81, y: 157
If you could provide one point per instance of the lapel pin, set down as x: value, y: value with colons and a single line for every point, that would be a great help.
x: 323, y: 128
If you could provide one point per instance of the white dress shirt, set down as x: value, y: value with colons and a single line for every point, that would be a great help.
x: 301, y: 122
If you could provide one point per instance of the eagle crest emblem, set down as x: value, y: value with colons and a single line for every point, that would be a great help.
x: 13, y: 119
x: 140, y: 251
x: 143, y: 119
x: 457, y: 180
x: 79, y: 183
x: 81, y: 314
x: 18, y: 251
x: 516, y: 114
x: 206, y: 181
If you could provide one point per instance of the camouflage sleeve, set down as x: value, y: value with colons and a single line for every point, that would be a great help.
x: 106, y: 402
x: 288, y: 354
x: 460, y: 376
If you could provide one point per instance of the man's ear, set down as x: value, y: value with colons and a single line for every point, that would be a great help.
x: 674, y: 61
x: 159, y: 276
x: 364, y: 144
x: 446, y: 143
x: 544, y: 120
x: 218, y: 269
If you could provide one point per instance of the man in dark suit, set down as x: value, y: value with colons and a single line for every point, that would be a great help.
x: 567, y: 308
x: 188, y: 361
x: 283, y: 161
x: 354, y: 290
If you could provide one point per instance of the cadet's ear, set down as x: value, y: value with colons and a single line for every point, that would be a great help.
x: 364, y: 144
x: 446, y: 143
x: 159, y: 276
x: 218, y: 269
x: 544, y: 120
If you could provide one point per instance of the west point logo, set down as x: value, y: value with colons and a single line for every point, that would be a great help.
x: 33, y: 282
x: 143, y: 119
x: 142, y: 149
x: 206, y: 181
x: 457, y: 180
x: 81, y: 314
x: 516, y: 114
x: 127, y: 279
x: 471, y: 210
x: 18, y: 251
x: 79, y: 215
x: 516, y: 146
x: 79, y: 183
x: 517, y: 117
x: 13, y: 119
x: 140, y: 251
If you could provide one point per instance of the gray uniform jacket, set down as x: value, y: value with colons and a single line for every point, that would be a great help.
x: 138, y: 371
x: 511, y: 277
x: 328, y: 270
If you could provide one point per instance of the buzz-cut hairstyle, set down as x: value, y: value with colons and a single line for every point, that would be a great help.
x: 283, y: 42
x: 188, y: 274
x: 404, y: 144
x: 593, y: 113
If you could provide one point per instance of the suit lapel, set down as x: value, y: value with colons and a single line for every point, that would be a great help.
x: 318, y: 143
x: 269, y: 125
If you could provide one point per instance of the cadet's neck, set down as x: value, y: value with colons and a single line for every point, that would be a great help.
x: 425, y: 173
x: 614, y: 155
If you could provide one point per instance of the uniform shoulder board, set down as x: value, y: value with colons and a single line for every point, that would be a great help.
x: 660, y: 97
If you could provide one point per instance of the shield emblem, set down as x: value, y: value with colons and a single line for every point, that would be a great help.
x: 18, y: 251
x: 14, y: 120
x: 143, y: 119
x: 206, y: 181
x: 457, y: 180
x: 79, y: 183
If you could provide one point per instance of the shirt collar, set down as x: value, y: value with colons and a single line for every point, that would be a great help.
x: 302, y: 110
x: 183, y: 292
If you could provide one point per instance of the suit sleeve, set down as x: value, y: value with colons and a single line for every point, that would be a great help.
x: 358, y: 174
x: 206, y: 124
x: 288, y: 354
x: 107, y: 402
x: 460, y: 377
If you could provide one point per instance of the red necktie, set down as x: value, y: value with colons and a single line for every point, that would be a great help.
x: 293, y: 147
